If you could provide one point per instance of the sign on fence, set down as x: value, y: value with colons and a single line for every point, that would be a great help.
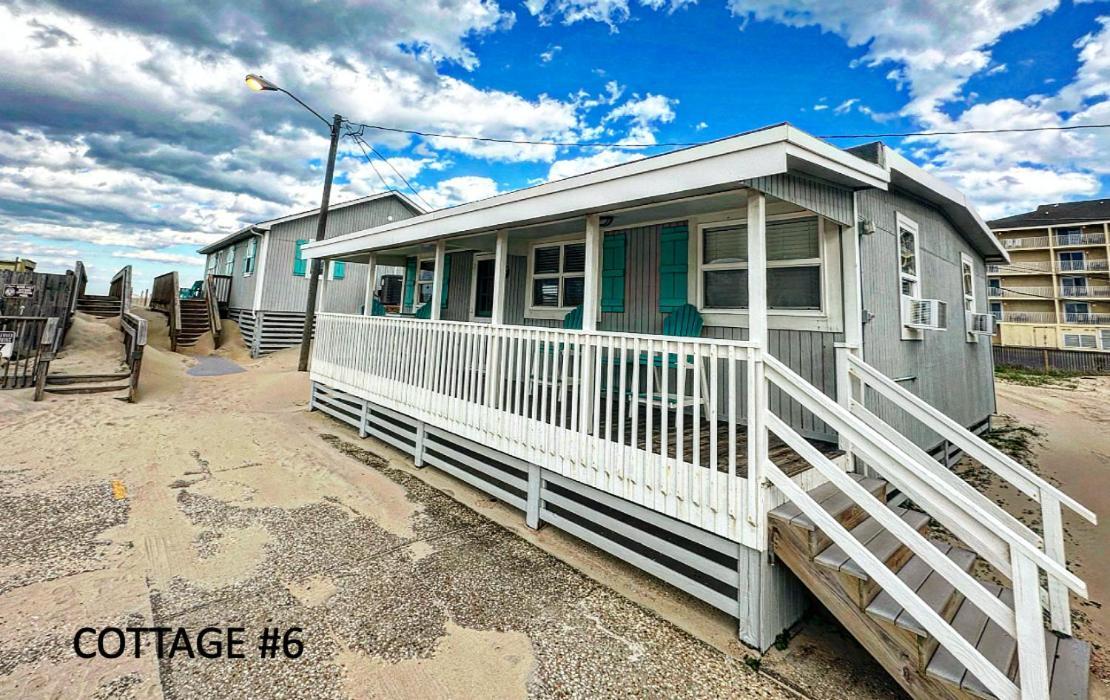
x: 19, y: 291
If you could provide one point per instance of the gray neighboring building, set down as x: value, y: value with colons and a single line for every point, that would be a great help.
x: 269, y: 280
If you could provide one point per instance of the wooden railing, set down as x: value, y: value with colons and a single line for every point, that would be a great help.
x: 1009, y: 546
x: 603, y: 409
x: 80, y: 280
x: 134, y: 342
x: 120, y: 287
x: 221, y: 288
x: 212, y: 284
x: 27, y: 345
x: 165, y: 296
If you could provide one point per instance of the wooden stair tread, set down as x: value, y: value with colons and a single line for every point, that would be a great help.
x: 90, y: 388
x: 935, y: 590
x: 991, y: 640
x: 878, y: 540
x: 80, y: 378
x: 831, y: 498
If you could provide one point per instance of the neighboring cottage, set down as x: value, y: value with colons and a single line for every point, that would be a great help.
x: 269, y: 281
x: 1055, y: 291
x: 717, y: 364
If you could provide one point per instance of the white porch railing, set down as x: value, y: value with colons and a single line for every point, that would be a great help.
x: 587, y: 405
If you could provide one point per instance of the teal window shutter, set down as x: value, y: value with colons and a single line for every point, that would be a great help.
x: 613, y: 262
x: 298, y: 261
x: 338, y: 270
x: 446, y: 281
x: 410, y: 282
x: 673, y: 263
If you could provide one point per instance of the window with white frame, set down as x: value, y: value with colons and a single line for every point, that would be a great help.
x: 1081, y: 341
x: 425, y: 280
x: 793, y: 265
x: 229, y: 263
x: 248, y: 260
x: 967, y: 276
x: 909, y: 269
x: 557, y: 275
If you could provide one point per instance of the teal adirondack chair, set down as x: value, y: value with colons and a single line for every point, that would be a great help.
x: 424, y: 312
x: 573, y: 320
x: 683, y: 322
x: 377, y: 308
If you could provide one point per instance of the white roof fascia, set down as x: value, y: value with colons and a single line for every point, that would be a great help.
x: 951, y: 200
x: 714, y: 165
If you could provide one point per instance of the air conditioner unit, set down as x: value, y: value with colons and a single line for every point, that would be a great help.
x: 927, y: 314
x: 979, y: 324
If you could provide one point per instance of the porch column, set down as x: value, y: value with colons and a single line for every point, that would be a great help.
x: 757, y: 385
x: 437, y: 277
x: 368, y: 302
x: 325, y: 275
x: 590, y: 298
x: 847, y: 388
x: 500, y: 267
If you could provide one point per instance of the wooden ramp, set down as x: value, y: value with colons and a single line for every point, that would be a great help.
x: 892, y: 635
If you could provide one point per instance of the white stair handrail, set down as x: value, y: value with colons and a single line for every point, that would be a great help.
x: 841, y: 419
x: 1017, y: 474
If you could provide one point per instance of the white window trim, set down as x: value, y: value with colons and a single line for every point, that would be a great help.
x: 829, y: 318
x: 247, y: 256
x: 556, y: 313
x: 902, y: 221
x: 1065, y: 346
x: 416, y: 282
x: 474, y: 287
x: 971, y: 301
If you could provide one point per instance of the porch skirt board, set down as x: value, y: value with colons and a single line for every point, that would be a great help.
x: 765, y: 598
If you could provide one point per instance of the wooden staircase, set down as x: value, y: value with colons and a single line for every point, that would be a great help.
x: 88, y: 383
x: 99, y: 305
x: 898, y: 641
x: 194, y: 321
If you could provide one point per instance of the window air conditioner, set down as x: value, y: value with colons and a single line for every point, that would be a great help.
x: 927, y: 314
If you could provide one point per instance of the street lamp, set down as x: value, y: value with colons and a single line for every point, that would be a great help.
x: 260, y: 84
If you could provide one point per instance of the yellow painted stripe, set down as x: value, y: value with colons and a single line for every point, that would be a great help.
x: 119, y: 491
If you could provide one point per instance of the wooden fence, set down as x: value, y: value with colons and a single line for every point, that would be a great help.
x: 26, y: 347
x: 120, y: 287
x: 165, y: 296
x: 52, y: 296
x: 1048, y: 359
x: 134, y: 342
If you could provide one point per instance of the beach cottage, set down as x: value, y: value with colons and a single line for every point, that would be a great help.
x: 263, y: 277
x: 729, y: 365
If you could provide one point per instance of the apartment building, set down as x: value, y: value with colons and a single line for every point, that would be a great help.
x: 1055, y: 292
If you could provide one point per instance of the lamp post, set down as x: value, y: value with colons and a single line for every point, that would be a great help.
x: 260, y: 84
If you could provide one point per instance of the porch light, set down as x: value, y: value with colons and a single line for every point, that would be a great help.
x: 258, y: 83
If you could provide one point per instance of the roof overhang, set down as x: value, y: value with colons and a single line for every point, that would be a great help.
x: 712, y: 167
x: 911, y: 178
x: 265, y: 226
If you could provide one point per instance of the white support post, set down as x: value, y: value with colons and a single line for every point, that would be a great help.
x: 757, y: 334
x: 500, y: 268
x: 590, y: 305
x: 1032, y: 664
x: 325, y: 275
x: 591, y: 298
x: 437, y: 277
x: 371, y: 271
x: 533, y: 505
x: 848, y: 388
x: 1053, y: 528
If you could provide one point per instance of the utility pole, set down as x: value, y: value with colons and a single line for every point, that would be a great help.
x: 321, y: 230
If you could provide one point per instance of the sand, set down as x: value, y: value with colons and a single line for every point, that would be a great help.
x: 1075, y: 454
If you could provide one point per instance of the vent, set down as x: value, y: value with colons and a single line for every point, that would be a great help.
x: 928, y: 314
x: 979, y: 324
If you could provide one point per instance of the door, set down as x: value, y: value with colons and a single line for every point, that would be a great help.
x: 483, y: 288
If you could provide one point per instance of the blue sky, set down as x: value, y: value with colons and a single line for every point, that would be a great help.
x: 127, y: 136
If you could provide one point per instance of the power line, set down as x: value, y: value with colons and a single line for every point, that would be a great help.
x: 356, y: 136
x: 684, y: 144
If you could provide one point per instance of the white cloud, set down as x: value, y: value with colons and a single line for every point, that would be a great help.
x: 700, y: 126
x: 548, y: 55
x: 845, y: 106
x: 609, y: 12
x: 460, y: 190
x: 569, y: 167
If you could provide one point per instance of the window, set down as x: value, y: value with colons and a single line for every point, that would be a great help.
x: 967, y: 274
x: 1071, y: 260
x: 557, y: 271
x: 996, y: 310
x: 481, y: 302
x: 213, y: 260
x: 1073, y: 286
x: 793, y: 265
x: 248, y: 261
x: 1076, y: 312
x: 229, y: 263
x: 425, y: 279
x: 1105, y: 333
x: 1069, y: 236
x: 1081, y: 341
x: 909, y: 268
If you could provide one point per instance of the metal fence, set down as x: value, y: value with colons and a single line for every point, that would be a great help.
x: 1048, y: 359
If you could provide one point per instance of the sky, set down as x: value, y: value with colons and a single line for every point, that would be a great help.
x: 127, y: 134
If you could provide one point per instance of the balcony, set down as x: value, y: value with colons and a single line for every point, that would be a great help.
x: 1078, y: 239
x: 1039, y: 267
x: 1087, y: 319
x: 1080, y: 265
x: 1028, y: 242
x: 1085, y: 292
x: 1029, y: 293
x: 1026, y: 317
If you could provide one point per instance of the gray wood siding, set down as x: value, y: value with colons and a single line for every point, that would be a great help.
x: 821, y: 197
x: 242, y: 288
x: 285, y: 291
x: 950, y: 373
